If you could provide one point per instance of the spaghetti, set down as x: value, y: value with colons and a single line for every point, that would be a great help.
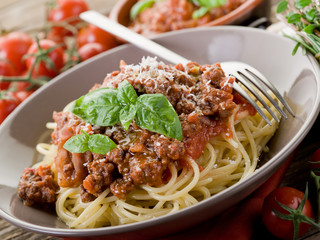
x: 188, y: 174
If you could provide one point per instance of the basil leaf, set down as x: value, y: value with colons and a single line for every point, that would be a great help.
x: 126, y: 93
x: 200, y: 12
x: 302, y: 3
x: 77, y: 143
x: 282, y: 6
x: 156, y: 114
x: 99, y: 107
x: 100, y: 144
x: 126, y: 116
x: 139, y: 7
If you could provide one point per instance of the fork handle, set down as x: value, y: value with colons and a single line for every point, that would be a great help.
x: 142, y: 42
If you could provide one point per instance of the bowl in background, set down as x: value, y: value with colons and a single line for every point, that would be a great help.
x: 121, y: 13
x: 294, y: 76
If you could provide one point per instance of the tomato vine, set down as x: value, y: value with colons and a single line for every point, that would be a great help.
x: 30, y: 59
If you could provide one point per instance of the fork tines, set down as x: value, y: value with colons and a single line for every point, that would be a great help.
x: 249, y: 79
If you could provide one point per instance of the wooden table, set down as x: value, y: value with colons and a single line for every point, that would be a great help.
x: 297, y: 175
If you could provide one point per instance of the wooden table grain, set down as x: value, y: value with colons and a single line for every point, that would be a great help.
x: 297, y: 175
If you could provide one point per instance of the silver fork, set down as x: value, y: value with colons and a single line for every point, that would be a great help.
x: 244, y: 73
x: 249, y: 77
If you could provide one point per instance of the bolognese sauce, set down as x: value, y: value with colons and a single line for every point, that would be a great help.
x: 200, y: 94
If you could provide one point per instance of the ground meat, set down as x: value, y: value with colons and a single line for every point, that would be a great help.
x: 216, y: 101
x: 146, y: 169
x: 213, y: 75
x: 120, y: 188
x: 86, y: 196
x: 168, y: 148
x: 120, y: 158
x: 37, y: 186
x: 99, y: 178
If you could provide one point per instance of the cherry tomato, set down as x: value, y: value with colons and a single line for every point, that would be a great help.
x: 5, y: 70
x: 316, y: 158
x: 55, y: 36
x: 44, y: 69
x: 13, y: 46
x: 64, y: 10
x: 4, y: 85
x: 290, y: 197
x: 93, y: 34
x: 90, y: 49
x: 20, y: 95
x: 6, y: 107
x: 22, y: 85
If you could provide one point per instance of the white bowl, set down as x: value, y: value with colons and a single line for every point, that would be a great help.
x: 296, y: 77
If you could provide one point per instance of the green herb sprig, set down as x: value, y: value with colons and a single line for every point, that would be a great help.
x: 96, y: 143
x: 109, y: 106
x: 204, y: 7
x: 304, y: 17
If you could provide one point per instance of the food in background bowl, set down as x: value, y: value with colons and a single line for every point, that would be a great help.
x: 170, y: 15
x: 150, y: 140
x: 150, y: 17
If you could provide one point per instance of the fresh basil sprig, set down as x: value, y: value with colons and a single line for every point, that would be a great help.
x: 96, y: 143
x: 108, y: 106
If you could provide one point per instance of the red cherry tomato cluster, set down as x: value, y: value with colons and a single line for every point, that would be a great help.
x: 29, y: 60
